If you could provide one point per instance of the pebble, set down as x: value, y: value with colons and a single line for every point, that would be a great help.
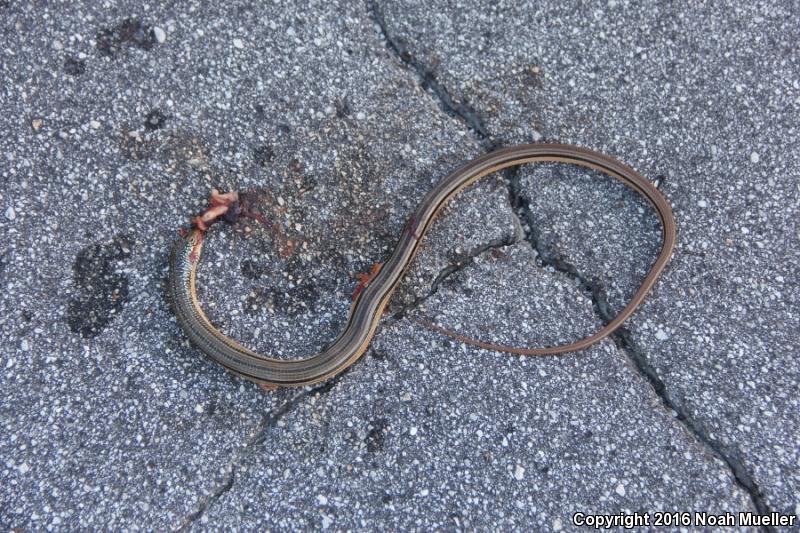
x: 24, y: 346
x: 322, y: 500
x: 161, y: 36
x: 238, y: 43
x: 620, y: 489
x: 412, y: 431
x: 36, y: 124
x: 360, y: 115
x: 754, y: 157
x: 519, y: 473
x: 94, y: 124
x: 661, y: 335
x: 198, y: 408
x: 557, y: 525
x: 10, y: 213
x: 702, y: 203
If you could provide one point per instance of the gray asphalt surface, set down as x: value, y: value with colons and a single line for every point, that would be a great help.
x: 336, y: 118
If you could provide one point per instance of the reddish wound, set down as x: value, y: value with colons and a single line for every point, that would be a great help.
x: 218, y: 205
x: 193, y: 257
x: 226, y: 199
x: 364, y: 279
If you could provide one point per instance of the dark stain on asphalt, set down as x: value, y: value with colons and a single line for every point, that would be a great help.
x: 101, y: 291
x: 154, y: 120
x: 263, y: 155
x: 253, y: 269
x: 131, y: 32
x: 376, y: 436
x: 74, y: 66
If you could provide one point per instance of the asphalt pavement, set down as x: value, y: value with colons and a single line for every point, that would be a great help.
x: 335, y: 118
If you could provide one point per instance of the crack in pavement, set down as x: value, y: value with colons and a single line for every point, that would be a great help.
x: 449, y: 106
x: 462, y: 263
x: 622, y: 338
x: 428, y: 80
x: 521, y: 208
x: 258, y: 436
